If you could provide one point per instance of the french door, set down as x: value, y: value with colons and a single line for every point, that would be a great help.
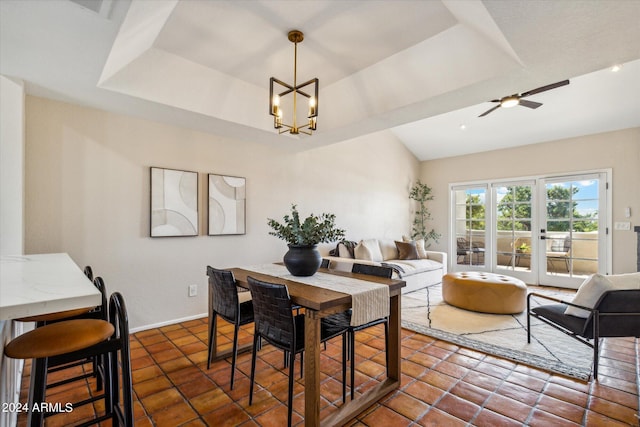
x: 514, y: 235
x: 573, y: 233
x: 546, y: 230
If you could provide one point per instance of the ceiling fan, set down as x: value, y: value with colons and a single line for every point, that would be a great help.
x: 513, y: 100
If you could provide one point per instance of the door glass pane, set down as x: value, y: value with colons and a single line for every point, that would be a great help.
x: 513, y: 227
x: 572, y: 233
x: 470, y: 224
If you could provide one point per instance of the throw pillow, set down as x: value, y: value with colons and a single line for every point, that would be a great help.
x: 346, y: 249
x: 368, y: 250
x: 588, y: 294
x: 388, y: 249
x: 625, y: 281
x: 407, y: 250
x: 422, y: 251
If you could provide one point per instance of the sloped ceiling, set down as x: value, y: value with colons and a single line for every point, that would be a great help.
x: 420, y: 69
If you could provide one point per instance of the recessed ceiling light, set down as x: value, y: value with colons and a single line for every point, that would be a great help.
x: 463, y: 126
x: 616, y: 68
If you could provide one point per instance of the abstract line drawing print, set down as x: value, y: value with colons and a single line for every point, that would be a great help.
x: 174, y: 203
x: 227, y: 203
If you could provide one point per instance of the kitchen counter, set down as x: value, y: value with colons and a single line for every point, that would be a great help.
x: 47, y: 283
x: 31, y: 285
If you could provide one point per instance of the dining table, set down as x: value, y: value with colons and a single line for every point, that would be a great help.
x: 319, y: 302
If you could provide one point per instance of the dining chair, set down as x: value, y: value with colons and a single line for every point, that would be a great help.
x: 372, y: 270
x: 276, y: 323
x: 225, y: 302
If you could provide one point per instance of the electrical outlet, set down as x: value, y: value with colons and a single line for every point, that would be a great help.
x: 193, y: 290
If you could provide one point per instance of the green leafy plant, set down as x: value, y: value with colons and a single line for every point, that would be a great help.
x: 524, y: 248
x: 421, y: 193
x: 313, y: 230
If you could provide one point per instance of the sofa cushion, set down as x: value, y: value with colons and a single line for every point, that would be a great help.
x: 407, y: 250
x: 368, y: 250
x: 410, y: 267
x: 422, y: 252
x: 388, y: 249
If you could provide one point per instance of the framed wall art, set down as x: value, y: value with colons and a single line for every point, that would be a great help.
x: 227, y: 204
x: 174, y: 203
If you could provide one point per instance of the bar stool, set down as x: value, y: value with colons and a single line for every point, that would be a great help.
x: 71, y: 340
x: 98, y: 312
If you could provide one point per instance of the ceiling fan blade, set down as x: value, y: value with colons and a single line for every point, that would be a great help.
x: 544, y: 88
x: 489, y: 110
x: 529, y: 104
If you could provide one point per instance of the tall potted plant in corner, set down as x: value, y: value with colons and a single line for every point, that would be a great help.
x: 421, y: 193
x: 303, y: 258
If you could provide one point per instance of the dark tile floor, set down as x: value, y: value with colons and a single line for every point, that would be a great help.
x: 442, y: 385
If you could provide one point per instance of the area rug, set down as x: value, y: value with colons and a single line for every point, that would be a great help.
x: 501, y: 335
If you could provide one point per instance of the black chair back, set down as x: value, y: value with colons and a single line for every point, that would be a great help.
x: 224, y: 293
x: 273, y: 314
x: 100, y: 312
x: 122, y: 394
x: 372, y: 270
x: 619, y: 315
x: 88, y: 271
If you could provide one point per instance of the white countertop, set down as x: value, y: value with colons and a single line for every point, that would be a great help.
x: 39, y: 284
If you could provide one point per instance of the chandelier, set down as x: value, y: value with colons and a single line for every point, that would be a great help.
x: 279, y: 101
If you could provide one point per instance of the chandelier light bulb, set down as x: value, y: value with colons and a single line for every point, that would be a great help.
x: 312, y: 106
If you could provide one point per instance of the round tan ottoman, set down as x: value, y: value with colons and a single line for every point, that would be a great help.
x: 484, y: 292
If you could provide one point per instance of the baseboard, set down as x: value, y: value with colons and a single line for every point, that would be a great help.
x: 167, y: 323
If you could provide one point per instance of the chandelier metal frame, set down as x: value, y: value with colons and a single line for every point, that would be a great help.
x: 284, y: 89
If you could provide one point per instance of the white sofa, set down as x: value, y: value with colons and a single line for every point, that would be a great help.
x: 427, y: 269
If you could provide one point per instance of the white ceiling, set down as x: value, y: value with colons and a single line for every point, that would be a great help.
x: 419, y: 69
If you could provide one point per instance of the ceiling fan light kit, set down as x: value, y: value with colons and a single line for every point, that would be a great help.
x: 513, y: 100
x: 509, y: 101
x: 279, y: 89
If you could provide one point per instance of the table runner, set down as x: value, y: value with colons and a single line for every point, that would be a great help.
x: 370, y: 301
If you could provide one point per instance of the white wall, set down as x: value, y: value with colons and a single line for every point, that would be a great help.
x: 11, y: 166
x: 618, y: 150
x: 87, y: 193
x: 11, y: 222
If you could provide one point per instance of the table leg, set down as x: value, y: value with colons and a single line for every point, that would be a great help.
x: 311, y: 368
x: 395, y: 337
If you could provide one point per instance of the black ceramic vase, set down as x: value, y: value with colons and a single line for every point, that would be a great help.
x: 302, y: 260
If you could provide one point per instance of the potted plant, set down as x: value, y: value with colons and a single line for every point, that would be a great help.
x: 421, y: 193
x: 302, y: 237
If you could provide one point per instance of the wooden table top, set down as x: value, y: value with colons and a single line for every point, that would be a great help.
x: 314, y: 297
